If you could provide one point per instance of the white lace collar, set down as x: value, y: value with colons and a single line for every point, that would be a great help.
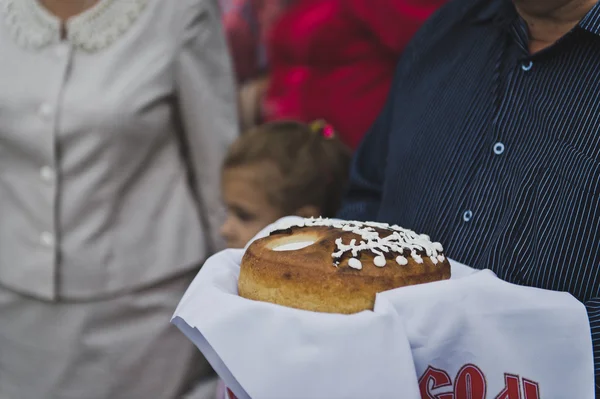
x: 32, y: 26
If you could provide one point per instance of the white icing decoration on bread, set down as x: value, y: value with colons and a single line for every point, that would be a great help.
x: 379, y: 261
x: 416, y: 257
x: 354, y: 263
x: 399, y: 241
x: 401, y: 260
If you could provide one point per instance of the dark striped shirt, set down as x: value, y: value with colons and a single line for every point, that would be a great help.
x: 493, y: 151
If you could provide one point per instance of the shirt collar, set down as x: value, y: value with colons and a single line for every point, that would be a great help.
x: 32, y: 26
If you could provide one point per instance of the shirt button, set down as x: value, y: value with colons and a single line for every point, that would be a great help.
x: 498, y: 148
x: 527, y: 66
x: 47, y: 239
x: 467, y: 216
x: 47, y: 174
x: 46, y: 110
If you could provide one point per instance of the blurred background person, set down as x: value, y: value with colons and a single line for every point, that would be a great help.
x: 334, y: 59
x: 311, y: 59
x: 114, y: 119
x: 247, y: 25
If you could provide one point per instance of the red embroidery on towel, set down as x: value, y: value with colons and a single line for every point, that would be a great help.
x: 470, y: 383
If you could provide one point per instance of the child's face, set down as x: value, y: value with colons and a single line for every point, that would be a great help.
x: 249, y: 210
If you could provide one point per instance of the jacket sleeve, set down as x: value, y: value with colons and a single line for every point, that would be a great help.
x: 207, y: 103
x: 393, y: 22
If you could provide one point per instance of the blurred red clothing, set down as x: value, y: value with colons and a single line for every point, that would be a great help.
x: 246, y: 24
x: 335, y: 59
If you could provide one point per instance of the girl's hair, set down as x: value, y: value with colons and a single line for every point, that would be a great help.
x: 312, y: 161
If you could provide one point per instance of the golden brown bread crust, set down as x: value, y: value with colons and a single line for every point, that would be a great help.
x: 308, y: 279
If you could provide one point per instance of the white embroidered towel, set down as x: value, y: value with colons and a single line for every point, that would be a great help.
x: 471, y: 337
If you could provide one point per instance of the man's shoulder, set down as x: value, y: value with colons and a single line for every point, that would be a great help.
x: 444, y: 26
x: 454, y: 15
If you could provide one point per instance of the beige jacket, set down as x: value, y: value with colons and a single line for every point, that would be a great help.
x: 111, y: 143
x: 94, y: 192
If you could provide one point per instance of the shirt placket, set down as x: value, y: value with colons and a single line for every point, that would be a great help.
x: 481, y: 206
x: 49, y: 112
x: 487, y: 203
x: 509, y: 142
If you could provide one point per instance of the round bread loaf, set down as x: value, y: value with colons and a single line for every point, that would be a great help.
x: 337, y: 267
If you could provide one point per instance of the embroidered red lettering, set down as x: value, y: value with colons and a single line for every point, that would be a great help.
x: 531, y: 389
x: 470, y: 383
x: 432, y: 379
x: 512, y: 390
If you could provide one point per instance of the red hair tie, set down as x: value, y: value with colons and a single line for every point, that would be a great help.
x: 328, y: 132
x: 323, y: 128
